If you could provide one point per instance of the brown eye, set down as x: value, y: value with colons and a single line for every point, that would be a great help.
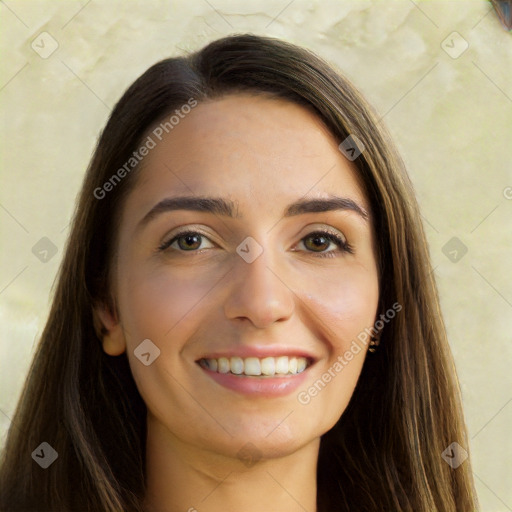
x: 320, y: 241
x: 188, y: 241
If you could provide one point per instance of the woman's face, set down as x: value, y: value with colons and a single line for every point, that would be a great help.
x: 254, y: 287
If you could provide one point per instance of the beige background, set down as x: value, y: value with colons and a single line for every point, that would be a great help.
x: 451, y: 116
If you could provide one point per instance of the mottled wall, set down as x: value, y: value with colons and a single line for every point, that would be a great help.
x: 440, y: 74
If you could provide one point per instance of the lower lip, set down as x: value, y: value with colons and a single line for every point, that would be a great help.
x: 261, y: 386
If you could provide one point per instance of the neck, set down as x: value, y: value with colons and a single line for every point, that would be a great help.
x: 184, y: 478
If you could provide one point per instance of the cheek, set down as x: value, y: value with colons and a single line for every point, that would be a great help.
x: 344, y: 301
x: 165, y: 306
x: 342, y: 304
x: 156, y: 303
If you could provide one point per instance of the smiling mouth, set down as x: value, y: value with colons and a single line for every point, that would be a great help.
x: 256, y: 367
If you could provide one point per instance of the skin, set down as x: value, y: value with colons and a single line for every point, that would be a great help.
x: 264, y: 154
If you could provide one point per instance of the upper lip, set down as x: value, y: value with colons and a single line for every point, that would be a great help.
x: 260, y: 352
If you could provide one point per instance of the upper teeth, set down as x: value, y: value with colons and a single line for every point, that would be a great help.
x: 282, y: 365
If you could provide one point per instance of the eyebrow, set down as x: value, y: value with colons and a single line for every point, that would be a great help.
x: 228, y: 208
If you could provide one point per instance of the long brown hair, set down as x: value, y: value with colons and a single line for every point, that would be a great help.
x: 384, y: 453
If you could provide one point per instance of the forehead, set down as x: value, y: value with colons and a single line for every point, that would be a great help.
x: 261, y: 152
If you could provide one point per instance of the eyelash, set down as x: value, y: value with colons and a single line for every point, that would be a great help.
x: 332, y: 237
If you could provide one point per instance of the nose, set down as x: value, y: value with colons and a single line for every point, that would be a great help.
x: 258, y: 293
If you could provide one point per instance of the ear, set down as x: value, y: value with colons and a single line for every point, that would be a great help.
x: 109, y: 330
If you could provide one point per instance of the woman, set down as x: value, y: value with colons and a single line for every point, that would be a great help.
x: 245, y: 317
